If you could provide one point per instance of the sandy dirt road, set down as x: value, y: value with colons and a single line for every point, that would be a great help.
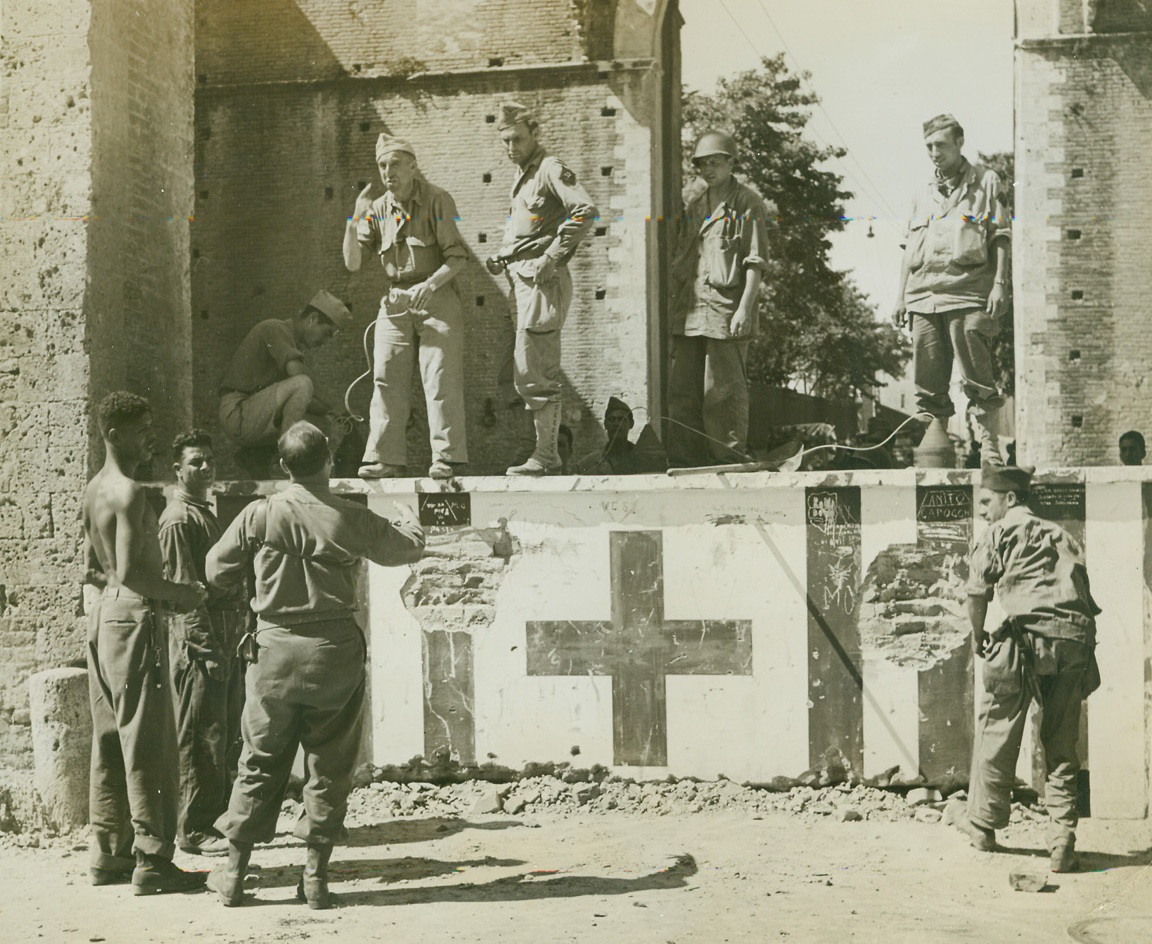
x: 710, y: 877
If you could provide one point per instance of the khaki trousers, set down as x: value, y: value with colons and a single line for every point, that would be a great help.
x: 134, y: 784
x: 306, y: 689
x: 1060, y: 666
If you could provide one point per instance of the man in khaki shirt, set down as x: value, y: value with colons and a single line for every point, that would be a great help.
x: 953, y: 282
x: 412, y: 228
x: 1044, y: 651
x: 267, y: 388
x: 305, y: 687
x: 550, y: 214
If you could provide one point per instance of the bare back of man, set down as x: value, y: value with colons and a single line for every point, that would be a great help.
x: 134, y: 784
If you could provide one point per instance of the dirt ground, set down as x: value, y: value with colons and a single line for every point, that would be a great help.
x: 726, y: 876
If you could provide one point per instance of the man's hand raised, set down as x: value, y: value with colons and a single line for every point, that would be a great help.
x: 363, y: 204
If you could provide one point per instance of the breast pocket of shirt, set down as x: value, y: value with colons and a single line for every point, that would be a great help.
x: 917, y: 240
x: 970, y: 244
x: 424, y: 257
x: 721, y: 253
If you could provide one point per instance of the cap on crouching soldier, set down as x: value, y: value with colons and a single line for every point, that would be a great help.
x: 332, y: 308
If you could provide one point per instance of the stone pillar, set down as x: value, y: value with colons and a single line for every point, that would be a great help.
x: 61, y: 743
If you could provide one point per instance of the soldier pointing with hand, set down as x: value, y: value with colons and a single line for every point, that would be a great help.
x: 412, y: 228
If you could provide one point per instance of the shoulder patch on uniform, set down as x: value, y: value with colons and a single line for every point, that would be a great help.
x: 563, y: 172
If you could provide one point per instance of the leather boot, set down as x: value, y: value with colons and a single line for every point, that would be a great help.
x: 988, y: 426
x: 227, y: 880
x: 156, y: 875
x: 545, y: 458
x: 313, y: 887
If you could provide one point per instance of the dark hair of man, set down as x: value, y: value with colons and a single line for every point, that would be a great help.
x: 193, y: 439
x: 1133, y: 436
x: 303, y: 448
x: 119, y: 408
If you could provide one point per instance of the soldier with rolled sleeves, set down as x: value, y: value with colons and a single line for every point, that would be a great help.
x: 717, y: 270
x: 266, y: 387
x: 549, y: 215
x: 304, y: 686
x: 412, y: 228
x: 1043, y: 651
x: 953, y: 282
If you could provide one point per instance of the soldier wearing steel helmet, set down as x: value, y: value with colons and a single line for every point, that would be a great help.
x: 717, y: 270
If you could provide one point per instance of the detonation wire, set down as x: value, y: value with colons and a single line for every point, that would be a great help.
x: 396, y: 297
x: 922, y: 416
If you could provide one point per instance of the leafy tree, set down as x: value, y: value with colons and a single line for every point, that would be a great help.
x: 816, y: 327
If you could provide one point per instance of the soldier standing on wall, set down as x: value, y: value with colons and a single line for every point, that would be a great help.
x: 717, y: 270
x: 134, y: 786
x: 549, y: 215
x: 207, y: 676
x: 412, y: 227
x: 953, y: 282
x: 1044, y: 650
x: 304, y: 685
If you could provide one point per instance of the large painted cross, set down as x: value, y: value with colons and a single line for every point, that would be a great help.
x: 638, y: 648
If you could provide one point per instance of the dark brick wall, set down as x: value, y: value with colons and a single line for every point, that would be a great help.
x: 278, y: 167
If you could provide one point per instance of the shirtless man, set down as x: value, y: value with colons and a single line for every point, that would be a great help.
x: 134, y: 781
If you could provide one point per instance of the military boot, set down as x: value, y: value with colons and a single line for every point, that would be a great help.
x: 156, y: 875
x: 227, y: 880
x: 313, y: 886
x: 545, y: 458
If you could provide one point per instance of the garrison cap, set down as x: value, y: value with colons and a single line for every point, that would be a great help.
x: 387, y: 144
x: 615, y: 403
x: 513, y: 113
x: 939, y: 123
x: 715, y: 142
x: 332, y: 308
x: 1007, y: 478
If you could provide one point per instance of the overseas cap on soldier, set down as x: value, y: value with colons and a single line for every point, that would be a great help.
x: 1007, y: 478
x: 513, y: 113
x: 332, y: 308
x: 387, y: 144
x: 615, y: 404
x: 939, y: 123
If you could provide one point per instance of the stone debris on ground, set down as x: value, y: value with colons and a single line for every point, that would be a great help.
x: 553, y: 795
x: 567, y: 792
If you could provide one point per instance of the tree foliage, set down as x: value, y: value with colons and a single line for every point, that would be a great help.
x: 816, y: 327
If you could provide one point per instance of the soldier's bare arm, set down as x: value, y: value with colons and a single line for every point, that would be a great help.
x: 137, y: 564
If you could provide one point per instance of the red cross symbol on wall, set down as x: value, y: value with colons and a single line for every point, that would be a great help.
x: 638, y: 648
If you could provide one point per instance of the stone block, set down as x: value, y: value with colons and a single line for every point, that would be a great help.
x: 61, y: 743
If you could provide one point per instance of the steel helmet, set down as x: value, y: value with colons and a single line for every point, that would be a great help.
x: 715, y: 142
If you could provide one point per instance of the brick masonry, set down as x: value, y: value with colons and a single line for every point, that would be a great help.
x: 95, y: 131
x: 286, y: 123
x: 1083, y: 283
